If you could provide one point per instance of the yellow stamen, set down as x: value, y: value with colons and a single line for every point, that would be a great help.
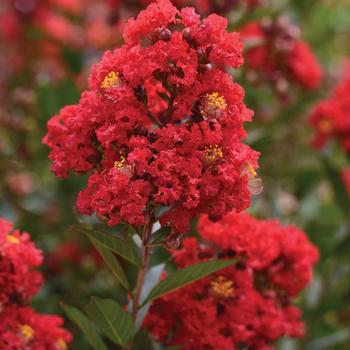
x: 216, y: 100
x: 213, y: 153
x: 120, y: 164
x: 213, y: 104
x: 222, y: 287
x: 61, y: 344
x: 251, y: 170
x: 255, y: 184
x: 111, y: 80
x: 325, y: 125
x: 27, y: 332
x: 12, y: 239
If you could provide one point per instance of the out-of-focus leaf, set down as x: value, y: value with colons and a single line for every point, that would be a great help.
x: 338, y: 186
x: 186, y: 276
x: 123, y: 247
x: 85, y: 325
x: 112, y: 320
x: 343, y: 247
x: 142, y: 341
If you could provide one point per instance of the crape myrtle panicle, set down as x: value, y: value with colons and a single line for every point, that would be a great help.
x: 23, y: 328
x: 275, y: 50
x: 20, y: 326
x: 19, y: 282
x: 248, y: 305
x: 162, y: 124
x: 330, y: 117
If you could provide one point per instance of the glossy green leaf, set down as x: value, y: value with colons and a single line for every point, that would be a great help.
x: 85, y: 325
x: 112, y: 320
x: 112, y: 263
x: 186, y: 276
x: 123, y: 247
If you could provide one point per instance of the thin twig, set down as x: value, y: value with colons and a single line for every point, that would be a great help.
x: 142, y: 272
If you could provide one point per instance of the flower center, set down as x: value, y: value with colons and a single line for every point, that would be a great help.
x: 111, y: 80
x: 213, y: 153
x: 27, y: 332
x: 255, y: 184
x: 251, y: 170
x: 61, y: 344
x: 325, y: 125
x: 120, y: 164
x: 213, y: 105
x: 12, y: 239
x: 222, y: 287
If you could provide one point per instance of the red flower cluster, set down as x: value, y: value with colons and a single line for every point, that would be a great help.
x: 23, y: 328
x: 162, y: 124
x: 248, y: 305
x: 20, y: 326
x: 331, y: 119
x: 277, y: 52
x: 18, y: 257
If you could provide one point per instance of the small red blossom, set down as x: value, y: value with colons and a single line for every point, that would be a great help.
x: 23, y: 328
x: 278, y: 53
x: 330, y: 117
x: 247, y: 305
x: 18, y: 257
x: 162, y: 124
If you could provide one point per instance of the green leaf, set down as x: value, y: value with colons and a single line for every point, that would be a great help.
x: 85, y: 325
x: 113, y: 321
x: 338, y: 186
x: 142, y: 341
x: 160, y: 235
x: 123, y: 247
x: 186, y: 276
x: 343, y: 247
x: 175, y: 347
x: 112, y: 263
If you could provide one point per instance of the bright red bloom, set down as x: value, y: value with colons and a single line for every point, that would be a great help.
x: 278, y: 53
x: 247, y: 305
x: 266, y: 245
x: 330, y: 117
x: 20, y: 326
x: 23, y: 328
x: 18, y: 257
x: 162, y: 124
